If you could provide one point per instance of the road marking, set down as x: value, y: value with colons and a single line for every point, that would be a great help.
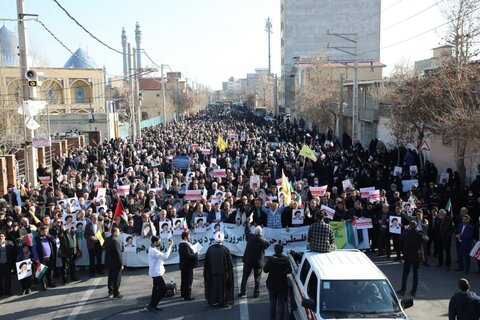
x: 243, y: 301
x: 82, y: 301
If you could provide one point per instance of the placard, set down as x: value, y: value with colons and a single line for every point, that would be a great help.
x: 24, y: 269
x: 363, y: 223
x: 407, y: 184
x: 397, y: 171
x: 395, y: 225
x: 219, y: 173
x: 123, y: 190
x: 374, y: 196
x: 181, y: 162
x: 365, y: 192
x: 193, y: 195
x: 318, y: 191
x: 255, y: 181
x: 329, y: 212
x: 347, y: 184
x: 297, y: 216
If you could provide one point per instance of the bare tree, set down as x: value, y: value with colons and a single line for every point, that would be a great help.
x: 316, y: 96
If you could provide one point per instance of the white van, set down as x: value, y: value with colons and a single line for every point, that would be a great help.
x: 342, y: 284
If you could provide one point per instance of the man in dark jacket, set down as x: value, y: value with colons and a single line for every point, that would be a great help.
x: 443, y: 231
x: 113, y: 261
x: 253, y: 258
x: 464, y: 305
x: 46, y: 253
x: 188, y: 260
x: 7, y: 263
x: 277, y: 267
x: 412, y: 241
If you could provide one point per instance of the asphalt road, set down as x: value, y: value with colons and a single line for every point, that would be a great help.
x: 86, y: 299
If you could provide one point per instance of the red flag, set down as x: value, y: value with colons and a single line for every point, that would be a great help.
x: 119, y: 212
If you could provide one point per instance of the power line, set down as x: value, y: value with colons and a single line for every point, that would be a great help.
x: 401, y: 21
x: 62, y: 44
x: 420, y: 34
x: 84, y: 29
x: 373, y: 15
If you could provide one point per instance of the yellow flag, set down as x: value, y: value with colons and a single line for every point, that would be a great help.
x: 221, y: 144
x: 286, y: 189
x: 100, y: 237
x: 308, y: 153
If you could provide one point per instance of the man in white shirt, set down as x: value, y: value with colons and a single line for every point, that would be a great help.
x: 156, y: 271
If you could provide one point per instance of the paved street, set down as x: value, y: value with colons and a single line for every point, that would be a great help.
x: 87, y: 299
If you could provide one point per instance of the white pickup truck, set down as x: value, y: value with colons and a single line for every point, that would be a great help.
x: 342, y: 284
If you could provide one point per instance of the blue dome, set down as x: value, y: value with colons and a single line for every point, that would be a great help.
x: 80, y: 60
x: 8, y: 48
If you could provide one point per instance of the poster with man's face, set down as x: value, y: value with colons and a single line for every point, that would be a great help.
x: 178, y: 224
x: 395, y: 224
x: 129, y: 243
x: 165, y: 229
x: 24, y: 269
x: 200, y: 226
x: 69, y: 221
x: 297, y: 216
x: 218, y: 197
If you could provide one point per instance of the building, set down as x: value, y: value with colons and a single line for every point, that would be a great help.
x: 305, y: 27
x: 330, y: 73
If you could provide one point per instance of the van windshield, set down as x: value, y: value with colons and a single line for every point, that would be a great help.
x: 341, y: 298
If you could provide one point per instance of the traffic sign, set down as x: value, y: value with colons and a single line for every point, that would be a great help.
x: 424, y: 146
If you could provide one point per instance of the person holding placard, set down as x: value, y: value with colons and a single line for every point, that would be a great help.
x: 46, y: 253
x: 26, y: 282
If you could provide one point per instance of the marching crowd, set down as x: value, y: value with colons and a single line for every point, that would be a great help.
x: 34, y: 220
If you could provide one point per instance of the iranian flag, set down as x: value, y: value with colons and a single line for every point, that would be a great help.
x: 28, y: 239
x: 120, y: 213
x: 40, y: 272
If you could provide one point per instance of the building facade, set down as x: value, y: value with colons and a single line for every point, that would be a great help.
x: 305, y: 27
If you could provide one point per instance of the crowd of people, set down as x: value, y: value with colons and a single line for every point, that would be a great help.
x: 35, y: 224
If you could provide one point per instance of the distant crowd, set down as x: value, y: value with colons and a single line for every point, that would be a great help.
x: 153, y: 180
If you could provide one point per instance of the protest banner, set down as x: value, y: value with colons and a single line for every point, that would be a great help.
x: 374, y: 196
x: 181, y: 162
x: 347, y: 184
x: 475, y: 252
x: 407, y: 184
x: 123, y: 190
x: 24, y: 269
x: 45, y: 179
x: 329, y: 212
x: 318, y: 191
x: 206, y: 152
x: 395, y: 224
x: 255, y: 181
x: 397, y: 171
x: 365, y: 192
x: 193, y: 195
x: 363, y: 223
x: 219, y: 173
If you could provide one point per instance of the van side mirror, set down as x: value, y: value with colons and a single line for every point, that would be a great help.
x: 407, y: 303
x: 309, y: 304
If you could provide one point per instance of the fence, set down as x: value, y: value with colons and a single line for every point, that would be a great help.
x: 124, y: 129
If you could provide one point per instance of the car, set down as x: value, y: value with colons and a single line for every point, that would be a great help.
x: 341, y: 284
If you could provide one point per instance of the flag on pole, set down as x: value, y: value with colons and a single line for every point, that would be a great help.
x: 99, y: 236
x: 308, y: 153
x: 286, y: 189
x: 40, y: 271
x: 221, y: 144
x: 28, y: 239
x: 448, y: 206
x: 120, y: 213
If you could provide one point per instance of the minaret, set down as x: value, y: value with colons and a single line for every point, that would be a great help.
x: 138, y: 40
x: 125, y: 55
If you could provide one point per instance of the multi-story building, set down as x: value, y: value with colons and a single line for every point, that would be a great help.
x: 305, y: 28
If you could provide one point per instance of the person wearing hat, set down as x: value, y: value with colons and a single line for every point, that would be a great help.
x: 218, y: 273
x: 464, y: 304
x: 156, y: 270
x: 412, y: 241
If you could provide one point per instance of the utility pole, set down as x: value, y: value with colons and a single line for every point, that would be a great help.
x: 30, y: 153
x: 340, y: 118
x: 133, y: 124
x: 351, y: 38
x: 275, y: 94
x: 137, y: 98
x: 268, y: 28
x: 163, y: 95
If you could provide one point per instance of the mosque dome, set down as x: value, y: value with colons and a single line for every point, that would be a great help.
x: 80, y: 60
x: 8, y: 48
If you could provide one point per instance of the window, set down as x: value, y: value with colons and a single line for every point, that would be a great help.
x: 312, y: 287
x: 304, y: 271
x: 79, y: 95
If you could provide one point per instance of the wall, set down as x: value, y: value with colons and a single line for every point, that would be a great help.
x: 105, y: 123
